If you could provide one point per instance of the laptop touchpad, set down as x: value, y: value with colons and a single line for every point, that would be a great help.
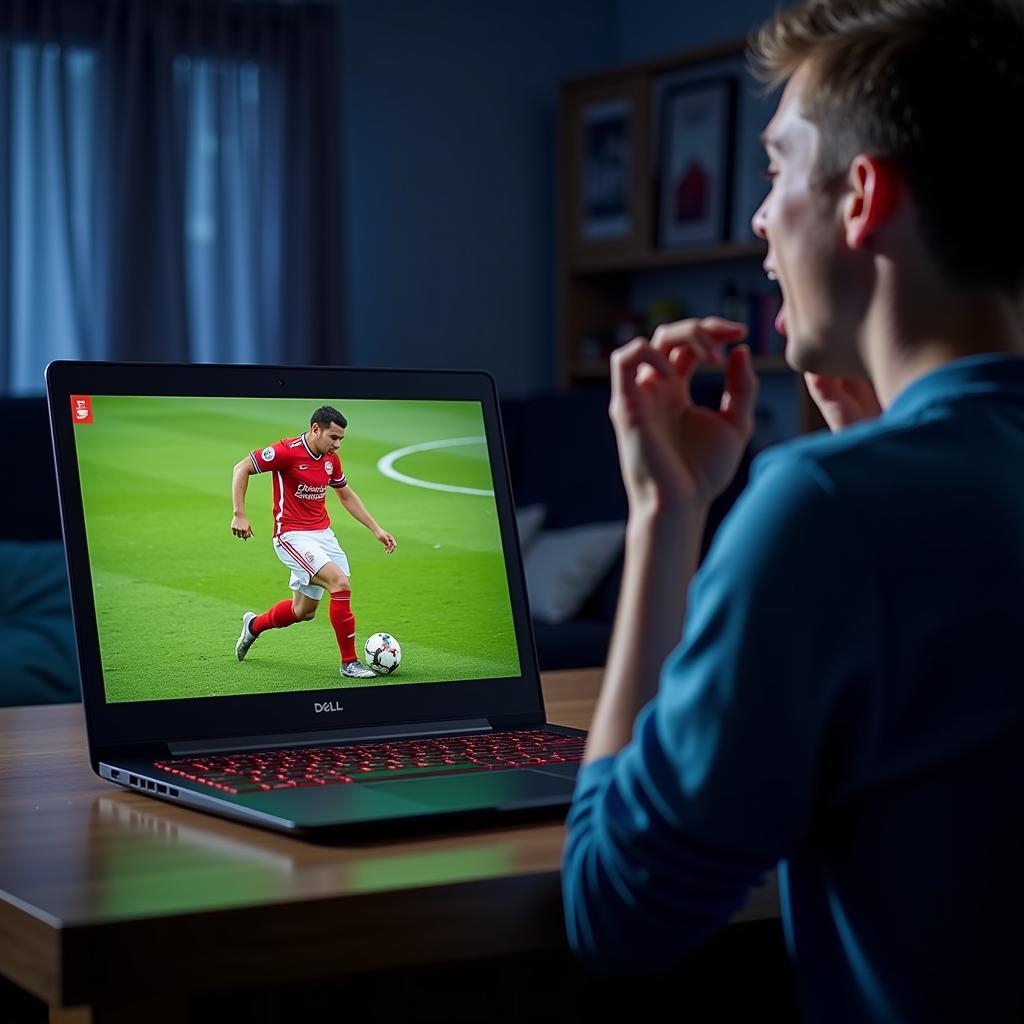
x: 488, y: 790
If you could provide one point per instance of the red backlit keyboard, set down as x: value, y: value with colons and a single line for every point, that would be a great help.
x: 324, y: 766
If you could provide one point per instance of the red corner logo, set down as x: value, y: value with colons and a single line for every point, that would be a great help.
x: 81, y: 408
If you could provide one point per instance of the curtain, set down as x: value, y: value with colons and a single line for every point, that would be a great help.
x: 169, y: 183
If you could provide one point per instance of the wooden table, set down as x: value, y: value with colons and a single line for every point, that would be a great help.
x: 114, y: 906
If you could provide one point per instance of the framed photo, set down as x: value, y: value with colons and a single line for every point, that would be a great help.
x: 607, y: 159
x: 695, y: 150
x: 607, y: 172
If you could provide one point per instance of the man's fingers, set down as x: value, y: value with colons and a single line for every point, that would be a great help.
x: 684, y: 359
x: 626, y: 362
x: 740, y: 395
x: 705, y: 336
x: 720, y: 327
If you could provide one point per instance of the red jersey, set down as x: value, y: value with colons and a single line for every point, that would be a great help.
x: 301, y: 480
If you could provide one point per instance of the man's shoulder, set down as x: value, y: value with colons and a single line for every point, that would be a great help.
x: 833, y: 459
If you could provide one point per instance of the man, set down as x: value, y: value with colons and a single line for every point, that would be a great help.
x: 303, y: 468
x: 846, y: 700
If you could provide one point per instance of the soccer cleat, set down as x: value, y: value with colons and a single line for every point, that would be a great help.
x: 355, y: 669
x: 245, y: 639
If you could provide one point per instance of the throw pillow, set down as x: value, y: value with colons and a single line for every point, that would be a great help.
x: 563, y: 567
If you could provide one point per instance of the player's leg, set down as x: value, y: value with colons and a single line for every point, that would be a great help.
x: 304, y: 606
x: 277, y: 616
x: 302, y: 558
x: 336, y: 580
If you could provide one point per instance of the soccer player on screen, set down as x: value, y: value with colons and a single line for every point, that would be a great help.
x: 303, y: 468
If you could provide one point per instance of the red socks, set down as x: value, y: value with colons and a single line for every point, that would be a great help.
x: 344, y: 623
x: 342, y: 619
x: 281, y: 615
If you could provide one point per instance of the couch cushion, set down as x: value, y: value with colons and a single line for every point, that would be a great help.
x: 36, y: 634
x: 529, y: 520
x: 25, y: 427
x: 564, y: 566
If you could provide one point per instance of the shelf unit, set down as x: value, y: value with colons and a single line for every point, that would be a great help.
x: 596, y: 275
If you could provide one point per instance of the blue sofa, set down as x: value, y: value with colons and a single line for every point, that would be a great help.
x: 39, y: 665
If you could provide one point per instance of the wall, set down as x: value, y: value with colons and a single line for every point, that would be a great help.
x: 450, y: 178
x: 652, y: 28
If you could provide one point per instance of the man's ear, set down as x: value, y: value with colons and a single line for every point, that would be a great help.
x: 875, y: 189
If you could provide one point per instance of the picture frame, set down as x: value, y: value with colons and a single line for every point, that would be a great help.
x: 608, y: 163
x: 607, y: 170
x: 697, y: 122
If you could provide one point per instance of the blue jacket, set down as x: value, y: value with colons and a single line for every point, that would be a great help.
x: 847, y: 702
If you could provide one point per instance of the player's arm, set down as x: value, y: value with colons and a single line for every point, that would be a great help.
x: 240, y: 525
x: 354, y: 506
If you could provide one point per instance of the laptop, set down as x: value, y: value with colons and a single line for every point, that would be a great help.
x: 298, y: 596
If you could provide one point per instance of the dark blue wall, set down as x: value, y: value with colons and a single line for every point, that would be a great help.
x: 651, y: 28
x: 450, y: 177
x: 449, y: 140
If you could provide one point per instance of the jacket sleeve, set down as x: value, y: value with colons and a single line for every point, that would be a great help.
x: 726, y: 765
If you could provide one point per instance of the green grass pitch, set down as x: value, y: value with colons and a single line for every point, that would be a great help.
x: 171, y: 582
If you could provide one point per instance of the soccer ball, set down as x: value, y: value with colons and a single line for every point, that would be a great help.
x: 383, y: 653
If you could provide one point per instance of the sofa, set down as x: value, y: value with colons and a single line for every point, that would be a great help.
x: 567, y: 487
x: 40, y: 665
x: 563, y: 459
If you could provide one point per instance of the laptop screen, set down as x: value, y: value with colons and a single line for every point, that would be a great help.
x: 201, y: 510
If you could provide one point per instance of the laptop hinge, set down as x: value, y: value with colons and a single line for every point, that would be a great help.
x: 533, y: 720
x: 410, y: 730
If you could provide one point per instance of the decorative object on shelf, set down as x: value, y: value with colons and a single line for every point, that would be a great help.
x: 732, y: 305
x: 607, y: 170
x: 595, y: 347
x: 695, y: 162
x: 628, y: 325
x: 662, y: 311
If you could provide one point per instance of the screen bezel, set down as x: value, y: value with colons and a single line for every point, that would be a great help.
x: 162, y: 721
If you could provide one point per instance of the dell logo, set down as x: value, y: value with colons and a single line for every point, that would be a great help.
x: 332, y: 705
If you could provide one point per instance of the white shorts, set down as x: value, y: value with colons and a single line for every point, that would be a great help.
x: 306, y: 552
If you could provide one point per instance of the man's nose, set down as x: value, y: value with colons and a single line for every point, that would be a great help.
x: 757, y: 221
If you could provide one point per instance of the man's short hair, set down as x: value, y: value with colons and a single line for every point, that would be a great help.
x: 935, y: 86
x: 326, y: 415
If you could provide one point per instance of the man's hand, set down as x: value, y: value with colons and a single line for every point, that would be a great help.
x: 672, y: 452
x: 843, y: 400
x: 241, y: 527
x: 386, y: 539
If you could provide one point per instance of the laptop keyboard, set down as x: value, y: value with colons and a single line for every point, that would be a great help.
x: 375, y: 762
